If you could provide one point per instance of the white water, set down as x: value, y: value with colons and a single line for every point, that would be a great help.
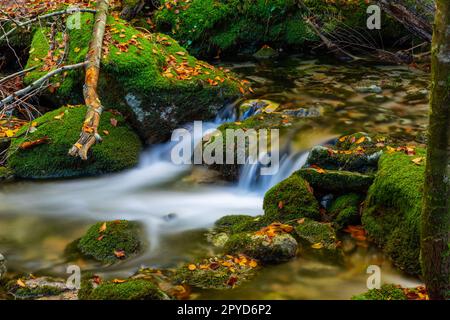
x: 147, y: 194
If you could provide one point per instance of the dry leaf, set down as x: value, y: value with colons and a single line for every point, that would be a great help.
x: 113, y: 122
x: 318, y: 245
x: 119, y: 253
x: 20, y: 283
x: 192, y: 267
x: 102, y: 227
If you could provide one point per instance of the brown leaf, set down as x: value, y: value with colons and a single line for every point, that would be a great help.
x: 119, y: 253
x: 113, y: 122
x: 102, y: 227
x: 31, y: 144
x: 20, y: 283
x: 119, y: 281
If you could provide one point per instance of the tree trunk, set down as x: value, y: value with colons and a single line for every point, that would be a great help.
x: 436, y: 210
x: 89, y: 135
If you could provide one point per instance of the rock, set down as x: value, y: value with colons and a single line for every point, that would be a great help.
x: 6, y: 174
x: 152, y: 80
x: 218, y: 273
x: 369, y: 89
x: 266, y: 52
x: 276, y: 249
x: 289, y: 200
x: 252, y: 107
x: 345, y: 210
x: 61, y: 128
x: 130, y: 289
x: 3, y: 268
x: 318, y: 239
x: 40, y: 288
x: 393, y: 207
x: 336, y: 182
x: 111, y: 241
x: 386, y: 292
x: 377, y: 98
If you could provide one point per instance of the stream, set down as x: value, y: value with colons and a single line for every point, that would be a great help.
x: 176, y: 206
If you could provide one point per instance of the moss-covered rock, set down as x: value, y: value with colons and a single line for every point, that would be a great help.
x: 209, y: 26
x: 336, y: 182
x: 393, y: 207
x: 30, y: 288
x: 131, y: 289
x: 148, y: 77
x: 290, y: 200
x: 345, y: 210
x: 276, y: 249
x: 111, y: 241
x: 217, y: 272
x: 386, y: 292
x: 6, y: 174
x: 61, y: 128
x: 318, y: 239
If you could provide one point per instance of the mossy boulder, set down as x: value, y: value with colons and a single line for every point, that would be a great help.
x: 148, y: 77
x: 290, y: 200
x: 336, y: 182
x: 345, y: 210
x: 6, y: 174
x: 386, y: 292
x: 392, y: 211
x: 60, y: 129
x: 267, y: 249
x: 31, y: 288
x: 111, y: 241
x: 318, y: 239
x: 209, y: 26
x: 218, y: 273
x: 131, y: 289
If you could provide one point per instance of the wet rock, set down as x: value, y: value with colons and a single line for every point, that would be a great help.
x: 130, y: 289
x: 253, y: 107
x: 318, y: 239
x: 386, y: 292
x: 291, y: 199
x: 276, y: 249
x: 6, y: 174
x: 218, y: 273
x: 40, y: 288
x: 119, y: 150
x: 376, y: 98
x: 369, y: 89
x: 393, y: 207
x: 111, y: 241
x: 345, y: 210
x: 336, y: 182
x: 266, y: 52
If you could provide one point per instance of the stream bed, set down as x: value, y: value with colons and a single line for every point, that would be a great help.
x: 176, y: 206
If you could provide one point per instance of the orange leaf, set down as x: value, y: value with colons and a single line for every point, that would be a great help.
x: 20, y: 283
x: 192, y: 267
x: 102, y: 227
x: 119, y: 253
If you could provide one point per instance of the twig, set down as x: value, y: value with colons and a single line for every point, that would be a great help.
x: 17, y: 74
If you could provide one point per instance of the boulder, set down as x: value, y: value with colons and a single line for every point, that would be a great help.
x: 58, y: 130
x: 345, y: 210
x: 148, y: 77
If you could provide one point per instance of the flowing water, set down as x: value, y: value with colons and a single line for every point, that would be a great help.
x: 38, y: 219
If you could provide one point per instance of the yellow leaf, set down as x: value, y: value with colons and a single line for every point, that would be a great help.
x: 9, y: 133
x: 360, y: 140
x: 103, y: 227
x: 253, y: 264
x: 59, y: 116
x: 20, y: 283
x: 192, y: 267
x: 318, y: 245
x: 119, y: 281
x: 76, y: 50
x: 418, y: 161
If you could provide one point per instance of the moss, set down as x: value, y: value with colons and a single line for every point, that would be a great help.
x: 345, y: 210
x: 119, y: 235
x: 133, y: 289
x: 280, y: 248
x: 393, y: 207
x: 38, y: 292
x: 207, y: 26
x: 140, y: 82
x: 336, y: 181
x: 240, y: 223
x: 386, y: 292
x: 6, y: 174
x: 319, y: 240
x: 119, y: 150
x: 291, y: 199
x: 215, y: 273
x: 35, y: 288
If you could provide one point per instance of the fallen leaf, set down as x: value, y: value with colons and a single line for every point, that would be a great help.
x: 102, y: 227
x: 318, y: 245
x: 59, y: 116
x: 360, y: 140
x: 30, y: 144
x: 113, y: 122
x: 280, y: 205
x: 119, y: 253
x: 119, y: 281
x: 192, y: 267
x: 418, y: 161
x: 76, y: 50
x: 20, y: 283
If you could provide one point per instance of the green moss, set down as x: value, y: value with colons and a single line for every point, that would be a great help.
x: 319, y: 240
x: 280, y: 248
x: 386, y: 292
x: 38, y: 292
x: 119, y: 150
x: 290, y: 200
x: 135, y: 81
x: 345, y: 210
x: 120, y: 235
x: 393, y: 208
x: 336, y: 181
x: 213, y: 274
x: 240, y: 223
x: 133, y: 289
x: 6, y: 174
x: 206, y: 26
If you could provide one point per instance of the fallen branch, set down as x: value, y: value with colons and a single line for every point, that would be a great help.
x: 36, y: 84
x: 44, y: 16
x: 413, y: 22
x: 17, y: 74
x: 89, y: 135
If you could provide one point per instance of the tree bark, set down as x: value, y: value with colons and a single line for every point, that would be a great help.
x: 89, y: 135
x: 436, y: 209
